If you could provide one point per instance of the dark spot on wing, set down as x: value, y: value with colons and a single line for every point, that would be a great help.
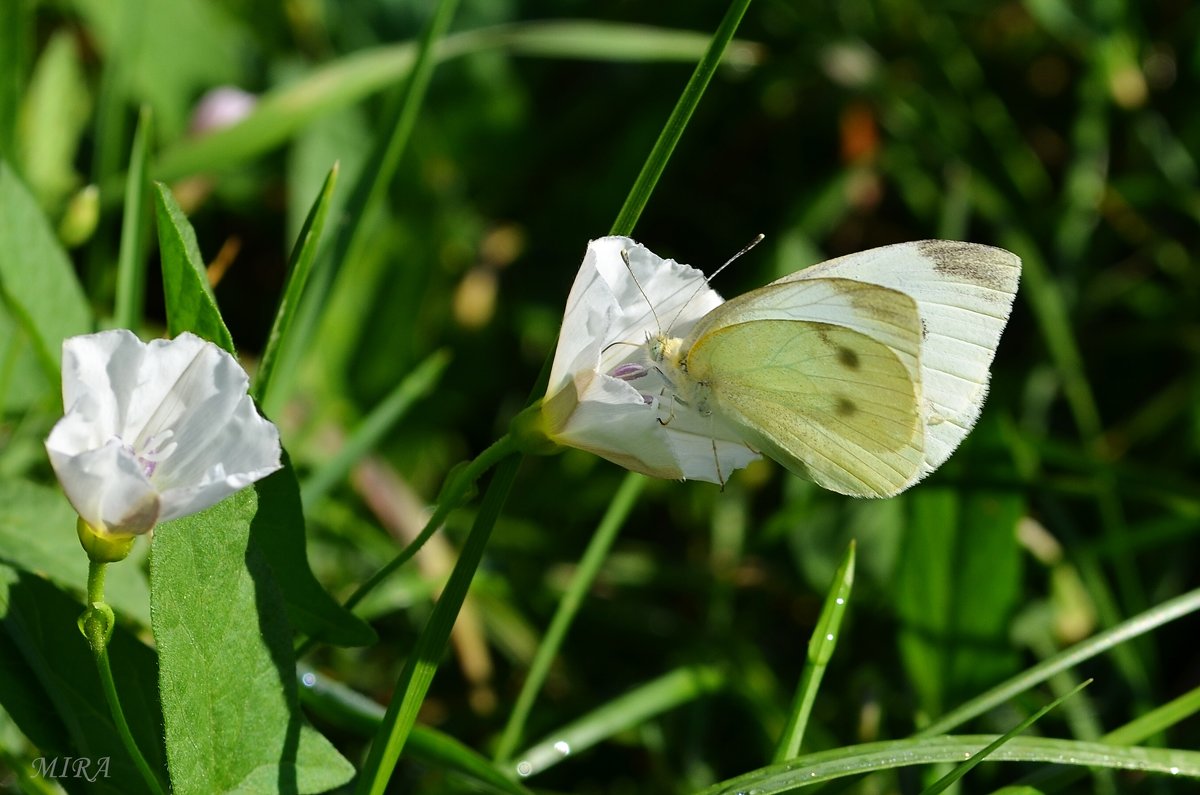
x: 969, y: 263
x: 845, y: 407
x: 848, y: 358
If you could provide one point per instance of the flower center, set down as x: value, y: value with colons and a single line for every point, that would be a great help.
x: 155, y: 450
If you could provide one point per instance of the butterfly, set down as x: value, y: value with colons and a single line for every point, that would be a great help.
x: 862, y: 373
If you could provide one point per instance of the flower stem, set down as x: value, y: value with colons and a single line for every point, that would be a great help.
x: 97, y: 625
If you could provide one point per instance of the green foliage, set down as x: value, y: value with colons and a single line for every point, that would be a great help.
x: 620, y: 634
x: 230, y: 708
x: 191, y: 305
x: 277, y: 531
x: 49, y: 686
x: 958, y: 585
x: 37, y: 283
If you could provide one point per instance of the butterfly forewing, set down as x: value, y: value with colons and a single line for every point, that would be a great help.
x: 829, y: 402
x: 964, y: 293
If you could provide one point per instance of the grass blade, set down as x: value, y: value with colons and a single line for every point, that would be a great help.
x: 872, y: 757
x: 656, y: 163
x: 418, y: 672
x: 820, y: 650
x: 653, y: 698
x: 1164, y: 613
x: 419, y: 383
x: 131, y: 257
x: 589, y: 567
x: 347, y: 708
x: 946, y: 781
x: 283, y: 112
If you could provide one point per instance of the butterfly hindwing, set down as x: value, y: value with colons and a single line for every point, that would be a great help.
x: 829, y: 402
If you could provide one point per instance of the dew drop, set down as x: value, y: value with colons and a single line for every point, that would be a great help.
x: 524, y: 768
x: 840, y: 601
x: 309, y: 679
x: 829, y: 637
x: 1174, y: 771
x: 562, y: 747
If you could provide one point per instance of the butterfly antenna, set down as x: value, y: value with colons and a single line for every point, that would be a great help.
x: 708, y: 279
x: 745, y: 248
x: 629, y: 267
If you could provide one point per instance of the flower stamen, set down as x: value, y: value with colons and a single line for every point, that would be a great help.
x: 155, y: 451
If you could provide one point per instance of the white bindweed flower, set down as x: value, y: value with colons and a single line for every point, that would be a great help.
x: 605, y: 393
x: 154, y: 431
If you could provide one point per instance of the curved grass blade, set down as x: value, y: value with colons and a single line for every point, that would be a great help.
x: 284, y: 111
x: 346, y: 708
x: 946, y: 781
x: 872, y: 757
x: 656, y: 163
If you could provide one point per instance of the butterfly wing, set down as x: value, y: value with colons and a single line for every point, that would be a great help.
x: 964, y: 293
x: 827, y: 401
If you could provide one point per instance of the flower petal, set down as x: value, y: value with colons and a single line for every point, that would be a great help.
x: 155, y: 432
x: 217, y: 431
x: 106, y: 486
x: 239, y: 452
x: 614, y: 305
x: 99, y: 373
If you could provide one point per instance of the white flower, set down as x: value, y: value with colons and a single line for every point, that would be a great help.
x: 606, y: 396
x: 154, y: 432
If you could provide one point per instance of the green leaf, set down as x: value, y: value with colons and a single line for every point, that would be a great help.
x: 303, y: 254
x: 53, y: 117
x: 37, y: 282
x: 16, y: 42
x: 958, y: 585
x: 23, y: 382
x: 37, y: 534
x: 278, y: 531
x: 191, y: 305
x: 230, y: 706
x: 49, y: 685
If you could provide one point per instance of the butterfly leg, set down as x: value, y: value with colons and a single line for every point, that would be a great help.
x: 717, y: 464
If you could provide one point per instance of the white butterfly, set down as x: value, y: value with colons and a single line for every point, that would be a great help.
x: 862, y: 373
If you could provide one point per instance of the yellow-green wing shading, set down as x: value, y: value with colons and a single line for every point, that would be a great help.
x: 829, y: 403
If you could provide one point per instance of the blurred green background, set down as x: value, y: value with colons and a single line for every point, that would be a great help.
x: 1067, y: 133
